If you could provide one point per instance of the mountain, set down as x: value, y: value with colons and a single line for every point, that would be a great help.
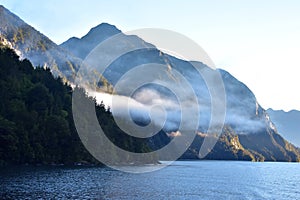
x: 31, y: 44
x: 287, y: 124
x: 83, y: 46
x: 249, y: 133
x: 266, y: 145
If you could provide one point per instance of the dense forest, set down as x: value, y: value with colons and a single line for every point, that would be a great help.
x: 36, y: 122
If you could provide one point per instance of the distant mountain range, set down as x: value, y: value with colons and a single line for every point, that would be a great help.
x: 249, y: 133
x: 287, y: 124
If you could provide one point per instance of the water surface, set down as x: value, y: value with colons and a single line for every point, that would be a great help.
x: 181, y: 180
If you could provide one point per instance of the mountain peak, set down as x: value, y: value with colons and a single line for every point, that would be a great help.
x: 102, y: 30
x: 96, y: 35
x: 105, y: 25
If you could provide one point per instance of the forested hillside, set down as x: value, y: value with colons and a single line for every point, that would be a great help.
x: 36, y: 124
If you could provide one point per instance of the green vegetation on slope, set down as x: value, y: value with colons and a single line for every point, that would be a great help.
x: 36, y: 122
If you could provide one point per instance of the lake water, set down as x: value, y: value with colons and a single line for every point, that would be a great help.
x: 181, y: 180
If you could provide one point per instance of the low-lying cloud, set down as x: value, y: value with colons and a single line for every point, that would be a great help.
x: 149, y: 105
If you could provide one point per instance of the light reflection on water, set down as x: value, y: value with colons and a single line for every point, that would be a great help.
x: 181, y: 180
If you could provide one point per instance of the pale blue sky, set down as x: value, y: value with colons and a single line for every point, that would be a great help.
x: 256, y: 41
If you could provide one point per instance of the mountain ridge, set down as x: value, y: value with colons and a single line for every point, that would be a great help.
x: 93, y: 35
x: 35, y: 46
x: 247, y: 119
x: 287, y: 124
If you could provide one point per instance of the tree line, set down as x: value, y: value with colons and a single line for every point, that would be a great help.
x: 36, y: 122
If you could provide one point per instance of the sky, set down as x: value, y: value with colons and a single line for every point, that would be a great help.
x: 256, y: 41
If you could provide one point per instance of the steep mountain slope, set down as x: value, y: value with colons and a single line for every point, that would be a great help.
x: 287, y: 124
x: 266, y: 145
x: 250, y: 134
x: 31, y: 44
x: 243, y: 111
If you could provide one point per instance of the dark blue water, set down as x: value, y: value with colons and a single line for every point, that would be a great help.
x: 181, y: 180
